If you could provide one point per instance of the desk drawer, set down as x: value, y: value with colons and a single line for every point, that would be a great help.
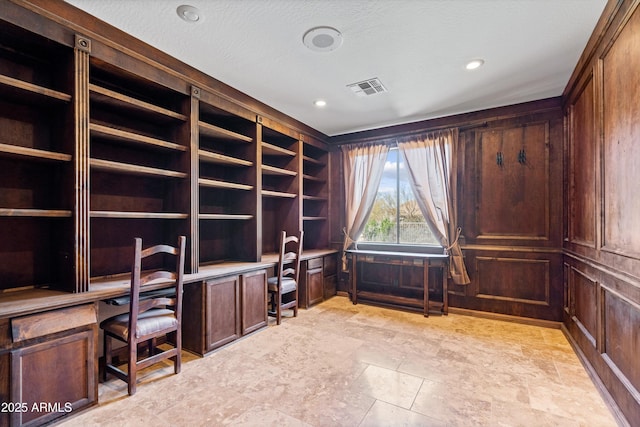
x: 314, y: 263
x: 49, y: 322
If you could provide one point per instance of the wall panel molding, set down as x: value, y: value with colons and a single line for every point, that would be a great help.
x: 620, y: 151
x: 513, y: 279
x: 584, y: 304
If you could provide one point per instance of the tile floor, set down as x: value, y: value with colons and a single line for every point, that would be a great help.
x: 343, y: 365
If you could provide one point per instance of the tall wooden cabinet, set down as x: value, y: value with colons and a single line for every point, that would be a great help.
x: 510, y: 211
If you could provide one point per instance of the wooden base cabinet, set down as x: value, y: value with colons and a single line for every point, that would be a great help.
x: 219, y: 311
x: 318, y: 280
x: 211, y: 315
x: 311, y: 290
x: 254, y: 301
x: 330, y: 274
x: 52, y: 364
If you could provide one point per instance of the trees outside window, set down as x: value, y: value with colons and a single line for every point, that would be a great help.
x: 396, y: 217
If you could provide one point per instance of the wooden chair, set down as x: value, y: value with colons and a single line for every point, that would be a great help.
x: 283, y: 288
x: 148, y: 318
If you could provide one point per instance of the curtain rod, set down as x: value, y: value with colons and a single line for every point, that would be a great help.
x: 416, y: 132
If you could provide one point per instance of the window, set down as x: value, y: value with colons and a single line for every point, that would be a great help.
x: 396, y: 217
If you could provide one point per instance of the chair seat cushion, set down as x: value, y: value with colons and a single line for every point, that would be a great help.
x: 156, y: 319
x: 288, y: 284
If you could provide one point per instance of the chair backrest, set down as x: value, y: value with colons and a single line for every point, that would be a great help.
x: 289, y: 257
x: 139, y: 278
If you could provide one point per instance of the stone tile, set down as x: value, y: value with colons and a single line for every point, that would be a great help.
x: 388, y: 385
x: 581, y: 404
x: 339, y: 364
x: 512, y: 414
x: 456, y: 406
x: 385, y: 414
x: 266, y: 417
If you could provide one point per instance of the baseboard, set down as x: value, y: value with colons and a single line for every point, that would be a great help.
x: 606, y: 396
x: 506, y: 317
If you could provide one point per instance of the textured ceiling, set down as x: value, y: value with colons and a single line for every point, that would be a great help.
x: 417, y: 48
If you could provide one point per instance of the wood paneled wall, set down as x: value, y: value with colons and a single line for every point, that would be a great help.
x: 602, y: 225
x: 510, y: 210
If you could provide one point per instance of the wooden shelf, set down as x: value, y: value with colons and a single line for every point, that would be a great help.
x: 272, y: 170
x: 110, y: 166
x: 116, y: 99
x: 213, y: 131
x: 314, y: 198
x: 211, y: 157
x: 312, y: 161
x: 312, y: 178
x: 137, y: 215
x: 274, y: 150
x: 36, y: 213
x: 31, y: 91
x: 125, y: 136
x: 33, y: 153
x: 213, y: 183
x: 278, y: 194
x: 224, y: 217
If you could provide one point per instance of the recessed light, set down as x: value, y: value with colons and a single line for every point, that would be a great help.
x: 189, y: 13
x: 476, y: 63
x: 320, y: 103
x: 322, y: 39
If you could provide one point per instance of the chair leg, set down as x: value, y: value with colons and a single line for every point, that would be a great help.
x: 279, y: 308
x: 107, y: 356
x: 151, y: 345
x: 272, y: 301
x: 177, y: 363
x: 132, y: 373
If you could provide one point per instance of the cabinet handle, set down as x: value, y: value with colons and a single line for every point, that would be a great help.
x: 522, y: 157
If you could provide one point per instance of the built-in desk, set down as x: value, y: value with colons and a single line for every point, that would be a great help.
x: 55, y: 332
x: 398, y: 278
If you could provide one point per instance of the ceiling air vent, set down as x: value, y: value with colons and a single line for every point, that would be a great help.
x: 367, y: 87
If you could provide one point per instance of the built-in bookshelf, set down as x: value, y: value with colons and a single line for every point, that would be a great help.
x: 227, y: 185
x: 138, y: 165
x: 99, y: 146
x: 36, y: 160
x: 281, y: 172
x: 315, y: 195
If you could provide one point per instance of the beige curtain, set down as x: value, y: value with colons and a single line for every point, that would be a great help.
x: 363, y: 166
x: 430, y: 165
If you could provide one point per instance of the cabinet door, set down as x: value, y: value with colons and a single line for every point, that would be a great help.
x: 330, y: 286
x: 58, y: 376
x: 315, y: 286
x: 222, y: 306
x: 254, y: 301
x: 330, y: 275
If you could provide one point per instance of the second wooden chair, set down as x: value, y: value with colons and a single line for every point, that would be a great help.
x: 283, y: 288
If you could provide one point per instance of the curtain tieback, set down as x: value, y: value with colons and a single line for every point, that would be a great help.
x: 455, y: 241
x: 347, y: 239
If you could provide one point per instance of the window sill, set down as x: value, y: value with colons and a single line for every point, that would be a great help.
x: 390, y: 247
